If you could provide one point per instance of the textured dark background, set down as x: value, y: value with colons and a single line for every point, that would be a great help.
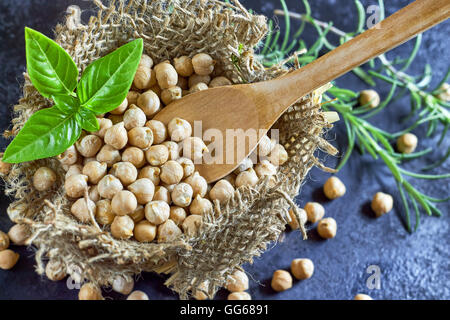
x: 412, y: 266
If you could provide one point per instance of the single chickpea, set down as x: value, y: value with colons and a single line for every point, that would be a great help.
x: 116, y: 136
x: 199, y: 293
x: 95, y: 171
x: 19, y: 234
x: 133, y: 97
x: 149, y: 103
x: 93, y: 193
x: 144, y: 231
x: 151, y: 173
x: 5, y: 168
x: 220, y: 82
x: 198, y: 87
x: 8, y: 259
x: 81, y: 208
x: 407, y: 143
x: 302, y: 269
x: 184, y: 66
x: 134, y: 117
x: 104, y: 213
x: 281, y: 280
x: 166, y: 75
x: 382, y: 203
x: 168, y: 231
x: 76, y: 185
x: 183, y: 83
x: 198, y: 184
x: 4, y: 241
x: 89, y: 145
x: 144, y: 78
x: 44, y: 178
x: 55, y: 270
x: 222, y: 191
x: 124, y: 202
x: 108, y: 186
x: 369, y: 98
x: 171, y: 94
x: 265, y: 146
x: 143, y: 189
x: 157, y: 155
x: 174, y: 149
x: 334, y: 188
x: 191, y: 225
x: 159, y: 131
x: 109, y: 155
x: 179, y: 129
x: 157, y: 212
x: 104, y: 125
x: 278, y: 156
x: 69, y: 157
x: 193, y: 148
x: 200, y: 206
x: 171, y: 172
x: 246, y: 164
x: 141, y: 137
x: 135, y: 156
x: 146, y: 61
x: 327, y: 228
x: 90, y: 291
x: 361, y: 296
x: 182, y: 195
x: 195, y: 78
x: 138, y: 295
x: 315, y: 211
x: 123, y: 285
x: 177, y: 215
x: 125, y: 172
x: 115, y: 119
x: 239, y: 296
x: 188, y: 166
x: 203, y: 64
x: 74, y: 169
x: 120, y: 108
x: 265, y: 169
x: 122, y: 227
x: 138, y: 215
x: 247, y: 178
x: 237, y: 282
x: 294, y: 221
x: 162, y: 194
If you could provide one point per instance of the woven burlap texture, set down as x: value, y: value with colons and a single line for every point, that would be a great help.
x: 231, y: 235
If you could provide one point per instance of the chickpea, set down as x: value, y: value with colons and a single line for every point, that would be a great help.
x: 109, y: 155
x: 237, y: 282
x: 76, y: 185
x: 122, y: 227
x: 149, y: 103
x: 168, y: 231
x: 278, y: 156
x: 144, y: 78
x: 74, y: 169
x: 265, y: 168
x: 361, y: 296
x: 95, y: 171
x: 143, y: 189
x: 93, y: 193
x: 203, y: 64
x: 219, y: 82
x: 4, y: 241
x: 200, y: 206
x: 104, y: 213
x: 138, y: 215
x: 315, y: 211
x: 80, y: 209
x: 115, y: 119
x: 177, y: 215
x: 69, y: 157
x: 141, y: 137
x: 90, y: 291
x: 116, y: 136
x: 146, y: 61
x: 125, y: 172
x: 19, y: 234
x: 193, y: 148
x: 8, y: 259
x: 198, y: 184
x: 246, y: 164
x: 89, y: 145
x: 198, y: 87
x: 444, y: 92
x: 382, y: 203
x: 302, y: 269
x: 281, y: 280
x: 294, y: 221
x: 182, y: 195
x: 195, y: 79
x: 171, y: 94
x: 134, y: 117
x: 151, y: 173
x: 159, y: 131
x: 133, y: 97
x: 44, y: 178
x: 144, y: 231
x: 5, y: 168
x: 222, y: 191
x: 369, y: 98
x: 108, y: 186
x: 104, y: 124
x: 247, y: 178
x: 157, y: 155
x: 179, y: 129
x: 166, y: 75
x: 407, y: 143
x: 265, y: 146
x: 135, y: 156
x: 124, y: 202
x: 327, y: 228
x: 188, y: 166
x: 239, y: 296
x: 184, y: 66
x: 192, y: 224
x: 138, y: 295
x: 55, y: 270
x: 161, y: 193
x: 157, y: 212
x: 334, y: 188
x: 123, y: 285
x: 171, y: 172
x: 120, y: 108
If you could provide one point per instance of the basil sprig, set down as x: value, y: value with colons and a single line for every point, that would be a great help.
x: 103, y: 86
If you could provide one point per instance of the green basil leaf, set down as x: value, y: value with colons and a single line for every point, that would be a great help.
x: 105, y: 83
x: 52, y: 71
x: 47, y: 133
x: 66, y: 103
x: 87, y: 120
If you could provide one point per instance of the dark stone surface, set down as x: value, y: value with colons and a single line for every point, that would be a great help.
x: 412, y: 266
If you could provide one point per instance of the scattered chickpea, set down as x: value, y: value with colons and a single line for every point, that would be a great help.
x: 145, y: 231
x: 19, y: 234
x: 74, y: 169
x: 108, y: 186
x: 315, y: 211
x: 334, y: 188
x: 69, y: 157
x: 95, y: 171
x: 109, y: 155
x: 89, y: 145
x: 192, y: 224
x: 90, y: 291
x: 294, y: 221
x: 219, y: 82
x: 200, y: 206
x: 55, y: 270
x: 195, y: 78
x: 222, y: 191
x: 247, y: 178
x: 151, y: 173
x: 123, y: 285
x: 265, y: 168
x: 138, y: 215
x: 168, y: 231
x: 278, y: 156
x: 246, y: 164
x: 179, y: 129
x: 302, y: 269
x: 177, y: 215
x: 104, y: 124
x: 171, y: 94
x: 116, y: 136
x: 237, y: 282
x: 327, y: 228
x: 138, y: 295
x: 120, y: 108
x: 161, y: 193
x: 361, y: 296
x: 166, y: 75
x: 141, y: 137
x: 4, y: 241
x: 369, y: 98
x: 104, y: 213
x: 159, y: 131
x: 239, y: 296
x: 133, y: 97
x: 76, y: 185
x: 157, y: 212
x: 135, y: 156
x: 188, y: 166
x: 281, y: 280
x: 122, y: 227
x: 193, y: 148
x: 157, y: 155
x: 8, y: 259
x: 382, y: 203
x: 44, y: 178
x: 182, y: 195
x: 81, y: 208
x: 203, y: 64
x: 134, y: 117
x: 184, y: 66
x: 198, y: 183
x: 126, y: 172
x: 407, y: 143
x: 149, y: 103
x: 198, y: 87
x: 124, y: 202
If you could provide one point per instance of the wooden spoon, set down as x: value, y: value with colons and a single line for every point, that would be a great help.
x: 257, y: 106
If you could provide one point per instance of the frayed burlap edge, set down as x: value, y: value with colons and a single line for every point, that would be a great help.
x: 232, y: 234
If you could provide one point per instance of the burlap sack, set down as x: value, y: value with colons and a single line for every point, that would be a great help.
x: 231, y: 235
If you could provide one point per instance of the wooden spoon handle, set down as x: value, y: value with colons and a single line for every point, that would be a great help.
x: 389, y: 33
